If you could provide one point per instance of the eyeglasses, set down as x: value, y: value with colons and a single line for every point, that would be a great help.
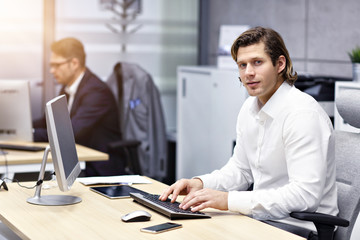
x: 58, y: 64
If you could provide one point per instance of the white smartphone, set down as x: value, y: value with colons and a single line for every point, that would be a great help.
x: 161, y: 227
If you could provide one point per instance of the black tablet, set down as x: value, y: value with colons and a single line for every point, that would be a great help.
x: 114, y: 192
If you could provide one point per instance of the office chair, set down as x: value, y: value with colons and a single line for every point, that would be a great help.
x: 346, y: 147
x: 125, y: 151
x: 142, y: 122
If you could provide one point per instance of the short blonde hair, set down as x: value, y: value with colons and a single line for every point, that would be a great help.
x: 70, y: 48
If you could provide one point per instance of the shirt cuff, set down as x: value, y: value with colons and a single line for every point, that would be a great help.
x: 206, y: 179
x: 240, y: 201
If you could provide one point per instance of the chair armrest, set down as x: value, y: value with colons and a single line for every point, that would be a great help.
x: 123, y: 143
x: 324, y: 223
x: 320, y: 218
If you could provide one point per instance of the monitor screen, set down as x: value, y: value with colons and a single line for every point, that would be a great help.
x: 15, y: 111
x: 63, y: 151
x: 62, y: 142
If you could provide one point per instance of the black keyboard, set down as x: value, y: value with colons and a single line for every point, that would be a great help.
x: 21, y: 147
x: 167, y: 208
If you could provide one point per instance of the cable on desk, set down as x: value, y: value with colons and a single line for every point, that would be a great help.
x: 39, y: 182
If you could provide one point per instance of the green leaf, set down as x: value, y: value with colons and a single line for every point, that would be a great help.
x: 355, y: 55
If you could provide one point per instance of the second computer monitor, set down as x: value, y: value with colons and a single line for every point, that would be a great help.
x: 15, y: 111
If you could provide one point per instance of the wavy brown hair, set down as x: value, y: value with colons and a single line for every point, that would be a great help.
x: 274, y: 47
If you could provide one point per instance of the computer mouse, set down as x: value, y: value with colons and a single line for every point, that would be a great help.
x: 136, y: 216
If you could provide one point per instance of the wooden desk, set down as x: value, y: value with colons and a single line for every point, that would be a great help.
x: 98, y: 217
x: 26, y: 161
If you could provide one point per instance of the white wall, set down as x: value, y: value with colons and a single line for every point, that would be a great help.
x: 318, y: 34
x: 167, y: 38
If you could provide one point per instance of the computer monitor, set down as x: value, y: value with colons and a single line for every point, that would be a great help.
x: 63, y: 152
x: 15, y: 111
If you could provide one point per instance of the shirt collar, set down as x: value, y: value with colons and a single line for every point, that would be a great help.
x: 73, y: 88
x: 273, y: 105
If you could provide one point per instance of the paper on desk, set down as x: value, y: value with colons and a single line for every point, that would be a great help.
x: 121, y: 179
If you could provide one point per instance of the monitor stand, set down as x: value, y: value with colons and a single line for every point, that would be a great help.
x: 50, y: 200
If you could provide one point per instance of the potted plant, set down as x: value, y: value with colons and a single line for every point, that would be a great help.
x: 355, y: 59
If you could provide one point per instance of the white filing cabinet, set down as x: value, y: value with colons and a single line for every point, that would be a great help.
x: 208, y: 102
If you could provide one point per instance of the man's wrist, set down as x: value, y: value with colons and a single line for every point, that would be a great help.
x: 199, y: 183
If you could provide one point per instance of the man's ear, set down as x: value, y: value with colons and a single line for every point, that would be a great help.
x: 281, y: 63
x: 75, y: 62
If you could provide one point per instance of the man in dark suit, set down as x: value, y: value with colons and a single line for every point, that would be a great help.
x: 91, y: 104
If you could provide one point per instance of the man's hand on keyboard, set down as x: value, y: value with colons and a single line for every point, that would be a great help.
x: 205, y: 198
x: 182, y: 187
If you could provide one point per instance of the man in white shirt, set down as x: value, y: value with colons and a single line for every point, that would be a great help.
x: 281, y: 145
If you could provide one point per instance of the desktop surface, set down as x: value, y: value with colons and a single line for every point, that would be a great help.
x: 98, y: 217
x: 14, y: 161
x: 30, y: 148
x: 15, y: 157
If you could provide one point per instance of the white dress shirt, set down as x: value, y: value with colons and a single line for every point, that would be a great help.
x: 72, y: 90
x: 282, y: 149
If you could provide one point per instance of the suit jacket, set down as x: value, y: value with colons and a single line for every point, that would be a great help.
x: 95, y: 122
x: 142, y: 116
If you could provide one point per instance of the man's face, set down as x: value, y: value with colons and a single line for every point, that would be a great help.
x: 259, y: 76
x: 62, y: 69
